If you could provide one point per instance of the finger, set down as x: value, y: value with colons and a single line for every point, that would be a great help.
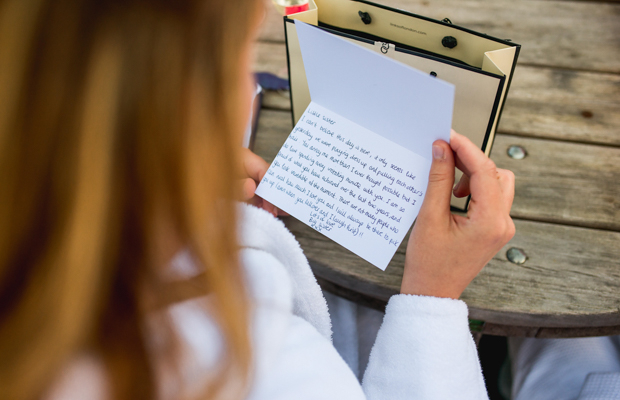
x: 270, y: 208
x: 507, y: 184
x: 248, y: 188
x: 469, y: 158
x: 267, y: 206
x: 482, y: 173
x: 462, y: 188
x: 280, y: 213
x: 436, y: 204
x: 255, y: 167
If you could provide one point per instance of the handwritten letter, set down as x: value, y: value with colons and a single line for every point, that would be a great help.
x: 355, y: 167
x: 348, y: 183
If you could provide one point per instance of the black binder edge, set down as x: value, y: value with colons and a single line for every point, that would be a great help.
x: 286, y: 19
x: 494, y: 113
x: 369, y: 38
x: 452, y: 63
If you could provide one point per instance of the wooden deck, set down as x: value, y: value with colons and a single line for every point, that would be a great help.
x: 564, y: 109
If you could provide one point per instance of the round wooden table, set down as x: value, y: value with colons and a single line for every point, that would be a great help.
x: 563, y: 109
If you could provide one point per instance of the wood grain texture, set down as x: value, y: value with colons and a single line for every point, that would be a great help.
x: 542, y: 102
x: 571, y: 35
x: 545, y: 332
x: 570, y: 280
x: 562, y: 104
x: 273, y: 129
x: 568, y: 183
x: 590, y: 331
x: 572, y: 275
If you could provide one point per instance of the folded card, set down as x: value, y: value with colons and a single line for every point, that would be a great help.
x: 355, y: 167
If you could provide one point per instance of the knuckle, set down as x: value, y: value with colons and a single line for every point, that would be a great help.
x: 490, y: 165
x: 497, y: 232
x: 510, y: 230
x: 507, y: 174
x: 438, y: 176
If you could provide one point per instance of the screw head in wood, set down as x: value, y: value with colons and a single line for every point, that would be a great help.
x: 516, y: 256
x: 516, y: 152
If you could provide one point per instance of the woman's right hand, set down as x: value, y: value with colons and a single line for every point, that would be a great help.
x: 445, y: 251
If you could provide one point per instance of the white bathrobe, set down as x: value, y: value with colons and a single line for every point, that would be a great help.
x: 423, y: 350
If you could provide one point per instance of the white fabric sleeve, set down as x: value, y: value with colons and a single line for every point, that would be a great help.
x: 424, y: 351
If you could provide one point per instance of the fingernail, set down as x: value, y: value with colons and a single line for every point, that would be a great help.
x: 438, y: 152
x: 456, y: 186
x: 275, y: 212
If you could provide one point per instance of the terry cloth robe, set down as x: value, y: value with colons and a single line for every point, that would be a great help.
x: 424, y: 349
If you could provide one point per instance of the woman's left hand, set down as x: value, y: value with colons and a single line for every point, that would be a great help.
x: 254, y: 168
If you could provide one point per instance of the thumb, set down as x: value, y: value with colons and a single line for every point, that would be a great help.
x: 436, y: 204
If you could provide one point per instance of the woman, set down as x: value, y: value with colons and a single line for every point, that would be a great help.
x: 120, y: 269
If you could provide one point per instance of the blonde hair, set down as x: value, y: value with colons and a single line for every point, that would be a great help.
x: 119, y: 128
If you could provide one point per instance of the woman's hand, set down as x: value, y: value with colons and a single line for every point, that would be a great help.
x: 445, y: 251
x: 255, y: 168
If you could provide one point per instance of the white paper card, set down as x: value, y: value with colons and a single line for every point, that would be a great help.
x: 355, y: 167
x: 389, y: 98
x: 348, y: 183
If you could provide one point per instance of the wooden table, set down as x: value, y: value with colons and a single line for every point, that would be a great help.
x: 564, y: 109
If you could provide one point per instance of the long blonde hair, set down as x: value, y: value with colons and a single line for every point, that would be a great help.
x: 119, y: 126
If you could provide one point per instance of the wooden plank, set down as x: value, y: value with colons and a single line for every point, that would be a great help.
x: 570, y: 280
x: 594, y: 2
x: 273, y: 129
x: 577, y: 332
x: 567, y: 183
x: 545, y: 332
x: 542, y: 102
x: 571, y: 35
x: 509, y: 330
x: 563, y: 104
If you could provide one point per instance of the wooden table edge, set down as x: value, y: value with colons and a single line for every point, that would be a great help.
x: 482, y: 321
